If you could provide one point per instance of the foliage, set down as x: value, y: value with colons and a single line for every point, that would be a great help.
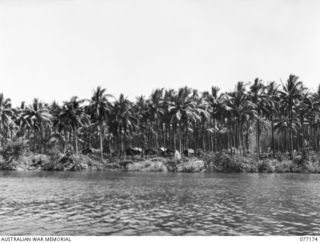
x: 13, y: 149
x: 213, y: 121
x: 267, y: 166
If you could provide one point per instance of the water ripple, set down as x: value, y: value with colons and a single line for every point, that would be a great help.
x: 157, y: 204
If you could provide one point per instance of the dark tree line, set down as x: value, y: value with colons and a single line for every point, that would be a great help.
x: 177, y: 119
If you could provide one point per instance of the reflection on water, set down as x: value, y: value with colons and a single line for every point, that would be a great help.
x: 44, y: 203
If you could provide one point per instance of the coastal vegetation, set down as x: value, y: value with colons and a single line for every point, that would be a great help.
x: 212, y: 123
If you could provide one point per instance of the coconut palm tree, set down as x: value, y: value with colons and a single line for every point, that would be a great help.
x: 99, y: 109
x: 201, y: 120
x: 258, y: 97
x: 168, y: 103
x: 6, y: 114
x: 36, y: 117
x: 290, y: 97
x: 242, y: 110
x: 304, y: 110
x: 141, y: 110
x: 183, y: 110
x: 123, y: 121
x: 72, y: 117
x: 217, y: 106
x: 156, y: 111
x: 314, y: 119
x: 59, y: 134
x: 272, y: 100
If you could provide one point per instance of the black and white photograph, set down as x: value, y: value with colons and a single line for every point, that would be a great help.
x: 159, y: 118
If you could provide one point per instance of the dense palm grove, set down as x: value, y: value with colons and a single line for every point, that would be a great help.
x: 176, y: 119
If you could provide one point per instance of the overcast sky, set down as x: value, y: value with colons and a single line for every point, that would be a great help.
x: 54, y: 49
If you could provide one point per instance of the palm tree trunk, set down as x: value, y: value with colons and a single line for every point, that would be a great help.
x: 42, y: 139
x: 194, y: 137
x: 164, y: 134
x: 174, y: 132
x: 272, y: 137
x: 214, y: 136
x: 285, y: 142
x: 243, y: 146
x: 203, y: 139
x: 187, y: 139
x: 258, y: 140
x: 228, y: 141
x: 314, y: 138
x: 157, y: 135
x: 302, y: 134
x: 101, y: 141
x: 180, y: 140
x: 291, y: 140
x: 122, y: 146
x: 239, y: 136
x: 291, y: 132
x: 76, y: 141
x: 211, y: 139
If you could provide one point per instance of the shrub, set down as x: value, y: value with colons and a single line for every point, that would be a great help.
x: 306, y: 167
x: 284, y: 167
x: 266, y: 166
x: 248, y: 165
x: 55, y: 154
x: 298, y: 160
x: 13, y: 149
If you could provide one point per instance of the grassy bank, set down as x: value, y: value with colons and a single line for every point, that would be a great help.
x: 205, y: 162
x: 221, y: 162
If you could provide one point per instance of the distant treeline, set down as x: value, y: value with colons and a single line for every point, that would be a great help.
x: 176, y: 119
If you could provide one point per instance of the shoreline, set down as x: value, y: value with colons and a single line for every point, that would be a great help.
x: 207, y: 163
